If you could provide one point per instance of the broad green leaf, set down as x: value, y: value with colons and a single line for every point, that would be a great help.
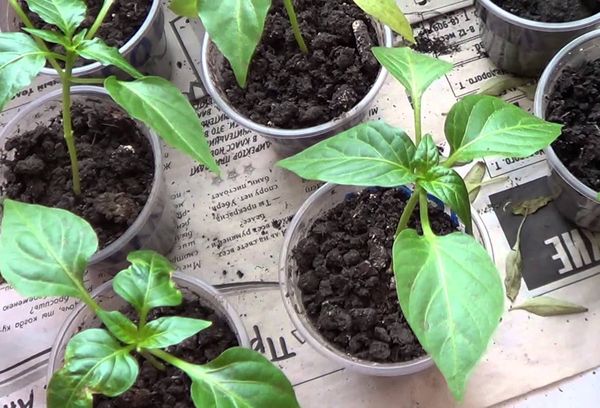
x: 161, y: 106
x: 147, y: 283
x: 388, y: 13
x: 185, y: 8
x: 44, y: 251
x: 415, y: 71
x: 65, y: 14
x: 166, y: 331
x: 240, y: 378
x: 236, y: 27
x: 427, y: 155
x: 480, y: 126
x: 547, y: 307
x: 95, y: 363
x: 21, y: 60
x: 474, y: 179
x: 48, y: 36
x: 370, y: 154
x: 447, y: 185
x: 97, y: 50
x: 119, y: 325
x: 452, y: 296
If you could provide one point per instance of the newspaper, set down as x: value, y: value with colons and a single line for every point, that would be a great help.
x: 230, y: 233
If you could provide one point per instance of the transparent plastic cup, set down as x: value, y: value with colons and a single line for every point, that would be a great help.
x: 575, y: 201
x: 155, y: 227
x: 146, y: 50
x: 524, y: 47
x: 83, y: 318
x: 324, y: 199
x: 288, y: 141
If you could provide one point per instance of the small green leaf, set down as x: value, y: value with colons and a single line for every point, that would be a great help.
x: 240, y: 378
x: 427, y: 155
x: 161, y: 106
x: 532, y: 206
x: 236, y: 27
x: 44, y: 251
x: 147, y: 283
x: 119, y: 325
x: 166, y: 331
x: 498, y: 85
x: 388, y: 13
x: 474, y: 179
x: 548, y: 307
x: 97, y: 50
x: 65, y: 14
x: 482, y: 126
x: 185, y: 8
x: 95, y: 363
x: 21, y: 60
x: 415, y: 71
x: 514, y: 267
x: 370, y: 154
x: 48, y: 36
x: 447, y: 185
x: 452, y: 296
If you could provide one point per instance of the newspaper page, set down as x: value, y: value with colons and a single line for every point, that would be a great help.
x: 230, y: 234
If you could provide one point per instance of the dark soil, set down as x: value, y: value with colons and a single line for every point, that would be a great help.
x: 551, y: 11
x: 116, y: 168
x: 171, y: 388
x: 575, y: 102
x: 124, y: 20
x: 346, y: 279
x: 291, y: 90
x: 426, y: 43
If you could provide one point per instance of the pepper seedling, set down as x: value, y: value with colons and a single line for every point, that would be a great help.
x: 152, y: 100
x: 448, y: 286
x: 236, y: 26
x: 45, y: 251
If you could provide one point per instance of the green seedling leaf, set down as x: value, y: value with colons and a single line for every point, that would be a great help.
x: 147, y: 283
x: 388, y: 13
x: 514, y: 267
x: 97, y: 50
x: 236, y: 27
x: 44, y: 251
x: 94, y: 363
x: 447, y: 185
x: 474, y: 179
x: 167, y: 331
x: 547, y: 307
x: 482, y: 126
x: 370, y: 154
x: 21, y: 60
x: 240, y: 378
x: 161, y: 106
x: 48, y: 36
x: 532, y: 206
x: 427, y: 155
x: 185, y: 8
x: 452, y: 296
x: 415, y: 71
x: 119, y: 325
x: 499, y: 85
x: 65, y: 14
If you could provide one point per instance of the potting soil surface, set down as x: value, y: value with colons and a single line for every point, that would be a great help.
x: 346, y: 279
x: 550, y: 11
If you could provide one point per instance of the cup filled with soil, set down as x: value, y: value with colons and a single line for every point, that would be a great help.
x: 135, y: 27
x: 296, y: 99
x: 337, y: 282
x: 568, y: 93
x: 123, y: 191
x: 521, y: 37
x: 169, y: 387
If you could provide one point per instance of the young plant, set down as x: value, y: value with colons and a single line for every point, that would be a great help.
x: 448, y: 286
x: 152, y: 100
x: 236, y: 26
x: 44, y: 252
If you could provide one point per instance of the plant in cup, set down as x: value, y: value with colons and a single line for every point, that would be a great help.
x: 44, y: 252
x: 152, y: 100
x: 448, y: 287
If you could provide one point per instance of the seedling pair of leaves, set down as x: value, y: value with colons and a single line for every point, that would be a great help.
x: 152, y: 100
x: 44, y: 252
x: 448, y: 287
x: 236, y: 26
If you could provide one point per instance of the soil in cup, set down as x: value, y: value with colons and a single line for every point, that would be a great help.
x: 116, y: 167
x: 288, y: 89
x: 171, y: 388
x: 345, y: 275
x: 551, y: 11
x: 575, y: 103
